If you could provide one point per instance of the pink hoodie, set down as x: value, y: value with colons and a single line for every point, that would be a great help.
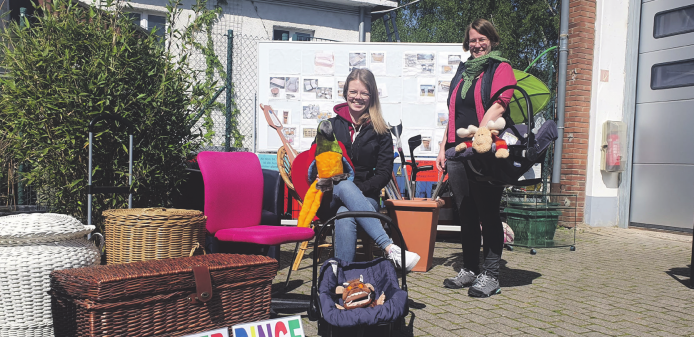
x: 502, y: 77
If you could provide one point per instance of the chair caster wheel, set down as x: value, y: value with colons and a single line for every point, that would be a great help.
x: 533, y: 252
x: 510, y: 248
x: 572, y: 248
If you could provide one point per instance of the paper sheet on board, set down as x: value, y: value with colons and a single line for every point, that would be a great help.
x: 317, y: 88
x: 441, y: 115
x: 448, y: 63
x: 324, y: 63
x: 426, y: 88
x: 313, y: 112
x: 357, y: 60
x: 378, y: 63
x: 443, y: 85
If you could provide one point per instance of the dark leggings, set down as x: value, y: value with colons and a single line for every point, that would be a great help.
x: 481, y: 205
x: 477, y: 202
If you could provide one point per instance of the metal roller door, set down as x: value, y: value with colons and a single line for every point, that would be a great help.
x: 662, y: 191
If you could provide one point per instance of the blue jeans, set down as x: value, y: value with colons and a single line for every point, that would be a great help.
x: 348, y: 197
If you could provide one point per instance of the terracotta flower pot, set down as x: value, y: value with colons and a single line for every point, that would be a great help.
x: 417, y: 220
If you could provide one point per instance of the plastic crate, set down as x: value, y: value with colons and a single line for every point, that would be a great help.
x: 533, y: 225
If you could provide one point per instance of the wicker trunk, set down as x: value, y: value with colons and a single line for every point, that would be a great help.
x: 162, y: 297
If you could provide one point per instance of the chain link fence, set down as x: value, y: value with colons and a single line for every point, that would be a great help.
x: 239, y: 51
x: 245, y: 81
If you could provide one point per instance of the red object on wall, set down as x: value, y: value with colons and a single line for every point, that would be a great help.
x: 613, y: 155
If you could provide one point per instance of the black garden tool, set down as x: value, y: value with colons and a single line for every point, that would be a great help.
x: 414, y: 142
x: 397, y: 130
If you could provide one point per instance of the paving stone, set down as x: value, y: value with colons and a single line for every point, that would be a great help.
x: 438, y: 331
x: 535, y: 331
x: 617, y: 282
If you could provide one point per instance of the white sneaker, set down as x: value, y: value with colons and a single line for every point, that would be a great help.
x: 411, y: 258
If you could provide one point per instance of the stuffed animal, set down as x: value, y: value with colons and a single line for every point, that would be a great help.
x: 483, y: 138
x: 330, y: 166
x: 357, y: 294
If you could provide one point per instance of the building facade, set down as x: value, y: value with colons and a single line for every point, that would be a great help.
x: 631, y: 61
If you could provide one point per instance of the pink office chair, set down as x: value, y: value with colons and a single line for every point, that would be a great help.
x: 234, y: 201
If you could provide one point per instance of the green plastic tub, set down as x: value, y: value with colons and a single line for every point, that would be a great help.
x: 533, y: 225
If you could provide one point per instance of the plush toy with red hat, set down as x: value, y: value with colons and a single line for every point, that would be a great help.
x: 330, y: 165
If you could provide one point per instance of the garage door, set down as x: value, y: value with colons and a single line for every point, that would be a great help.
x: 662, y: 191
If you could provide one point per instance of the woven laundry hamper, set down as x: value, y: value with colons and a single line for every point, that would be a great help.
x: 171, y: 297
x: 31, y: 246
x: 141, y: 234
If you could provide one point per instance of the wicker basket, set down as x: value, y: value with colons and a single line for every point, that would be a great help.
x: 31, y: 246
x: 151, y: 298
x: 142, y: 234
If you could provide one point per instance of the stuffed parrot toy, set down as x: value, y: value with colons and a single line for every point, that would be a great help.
x: 330, y: 166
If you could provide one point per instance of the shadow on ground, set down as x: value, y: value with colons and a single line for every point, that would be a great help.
x: 682, y: 275
x: 508, y: 277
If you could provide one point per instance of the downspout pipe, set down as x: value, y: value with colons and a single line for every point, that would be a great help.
x: 561, y: 93
x: 362, y: 30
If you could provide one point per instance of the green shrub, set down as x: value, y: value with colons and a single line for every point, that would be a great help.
x: 76, y: 62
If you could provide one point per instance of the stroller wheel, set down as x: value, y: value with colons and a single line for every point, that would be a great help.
x: 509, y: 247
x: 572, y: 248
x: 533, y: 252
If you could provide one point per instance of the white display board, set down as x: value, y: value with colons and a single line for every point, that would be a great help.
x: 302, y: 81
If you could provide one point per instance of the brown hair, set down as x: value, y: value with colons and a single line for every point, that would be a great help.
x: 483, y: 27
x: 367, y: 77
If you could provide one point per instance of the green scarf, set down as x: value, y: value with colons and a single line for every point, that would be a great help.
x: 474, y: 67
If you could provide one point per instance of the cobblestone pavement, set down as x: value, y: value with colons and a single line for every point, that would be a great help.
x: 617, y: 282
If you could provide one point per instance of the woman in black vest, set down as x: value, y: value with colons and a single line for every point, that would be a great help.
x: 477, y: 202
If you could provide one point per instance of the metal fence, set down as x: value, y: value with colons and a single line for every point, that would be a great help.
x: 245, y: 82
x: 239, y: 53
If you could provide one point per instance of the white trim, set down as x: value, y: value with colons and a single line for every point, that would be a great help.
x: 629, y: 107
x: 138, y: 7
x: 326, y: 7
x: 365, y: 3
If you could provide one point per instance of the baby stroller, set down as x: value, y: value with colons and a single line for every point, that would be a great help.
x: 380, y: 273
x: 525, y: 148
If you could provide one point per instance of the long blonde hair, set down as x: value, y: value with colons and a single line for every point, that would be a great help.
x: 367, y: 77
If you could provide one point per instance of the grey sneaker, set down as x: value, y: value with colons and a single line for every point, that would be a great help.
x: 411, y: 258
x: 484, y: 286
x: 465, y: 278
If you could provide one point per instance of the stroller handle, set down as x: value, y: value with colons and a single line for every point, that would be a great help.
x: 102, y: 117
x: 314, y: 307
x: 528, y: 107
